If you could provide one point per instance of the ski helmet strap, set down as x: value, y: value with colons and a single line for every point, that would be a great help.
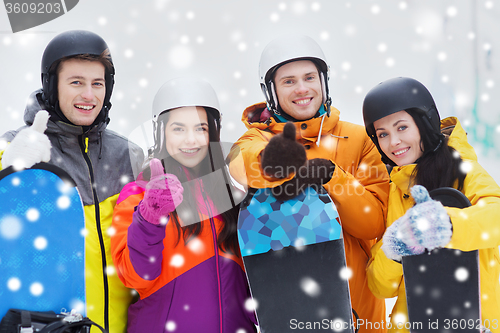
x: 327, y: 100
x: 159, y: 132
x: 275, y: 103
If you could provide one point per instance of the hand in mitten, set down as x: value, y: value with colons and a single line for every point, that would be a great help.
x: 429, y: 221
x: 283, y: 154
x: 424, y: 226
x: 315, y: 172
x: 485, y: 330
x: 162, y: 196
x: 30, y: 146
x: 393, y: 245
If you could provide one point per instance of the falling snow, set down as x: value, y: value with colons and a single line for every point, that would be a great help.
x: 177, y: 260
x: 171, y: 326
x: 196, y: 245
x: 36, y: 289
x: 461, y: 274
x: 251, y: 304
x: 40, y: 243
x: 13, y: 284
x: 346, y: 273
x: 168, y: 39
x: 10, y: 227
x: 310, y: 287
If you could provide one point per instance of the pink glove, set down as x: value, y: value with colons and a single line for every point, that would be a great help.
x: 163, y: 194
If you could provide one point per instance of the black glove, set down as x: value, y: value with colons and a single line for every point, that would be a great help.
x: 315, y: 173
x: 283, y: 155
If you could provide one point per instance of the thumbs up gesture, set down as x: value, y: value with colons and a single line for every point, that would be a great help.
x: 283, y: 154
x: 424, y: 226
x: 30, y: 146
x: 163, y: 194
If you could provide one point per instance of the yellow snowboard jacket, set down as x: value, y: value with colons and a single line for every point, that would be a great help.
x: 475, y: 227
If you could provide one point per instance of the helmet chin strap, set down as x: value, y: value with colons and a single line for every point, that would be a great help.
x: 327, y: 101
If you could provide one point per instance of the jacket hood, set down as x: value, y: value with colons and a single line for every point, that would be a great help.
x: 458, y: 138
x: 258, y: 116
x: 34, y: 105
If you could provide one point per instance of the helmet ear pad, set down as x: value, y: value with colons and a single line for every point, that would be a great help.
x: 274, y: 98
x: 110, y: 83
x: 324, y: 88
x: 159, y: 131
x: 49, y: 89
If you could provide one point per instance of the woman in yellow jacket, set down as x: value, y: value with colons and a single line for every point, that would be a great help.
x: 402, y: 120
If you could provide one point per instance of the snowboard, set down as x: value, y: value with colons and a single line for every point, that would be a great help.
x: 294, y: 257
x: 41, y: 241
x: 442, y: 287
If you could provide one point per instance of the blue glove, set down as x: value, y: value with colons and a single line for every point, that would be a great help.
x: 429, y: 220
x: 424, y: 226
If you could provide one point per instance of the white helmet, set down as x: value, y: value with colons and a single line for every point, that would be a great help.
x: 181, y: 92
x: 286, y: 49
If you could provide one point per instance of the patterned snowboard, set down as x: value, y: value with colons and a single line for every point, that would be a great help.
x: 294, y: 258
x: 442, y: 287
x: 41, y: 241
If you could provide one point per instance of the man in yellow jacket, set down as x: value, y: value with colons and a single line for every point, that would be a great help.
x: 294, y: 79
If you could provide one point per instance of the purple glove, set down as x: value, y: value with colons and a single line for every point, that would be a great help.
x: 163, y: 194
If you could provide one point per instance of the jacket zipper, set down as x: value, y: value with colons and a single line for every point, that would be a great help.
x: 84, y: 143
x: 214, y: 233
x: 216, y: 251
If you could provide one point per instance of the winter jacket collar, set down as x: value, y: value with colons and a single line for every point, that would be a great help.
x: 257, y: 116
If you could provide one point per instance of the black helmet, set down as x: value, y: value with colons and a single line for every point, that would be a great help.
x: 72, y: 43
x: 397, y: 94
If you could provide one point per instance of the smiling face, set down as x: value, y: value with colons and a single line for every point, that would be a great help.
x: 186, y: 135
x: 399, y: 138
x: 81, y: 90
x: 298, y: 86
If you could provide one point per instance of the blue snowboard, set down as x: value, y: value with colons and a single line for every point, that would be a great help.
x: 41, y: 241
x: 294, y: 259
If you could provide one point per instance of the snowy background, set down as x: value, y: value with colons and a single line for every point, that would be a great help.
x: 448, y: 45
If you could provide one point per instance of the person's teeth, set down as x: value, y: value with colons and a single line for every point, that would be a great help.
x: 303, y: 101
x: 189, y: 150
x: 401, y: 151
x: 84, y: 107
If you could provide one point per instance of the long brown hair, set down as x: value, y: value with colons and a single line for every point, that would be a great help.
x: 437, y: 167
